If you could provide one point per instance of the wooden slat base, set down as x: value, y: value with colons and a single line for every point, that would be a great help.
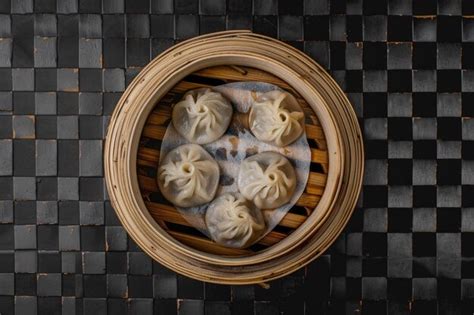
x: 148, y: 156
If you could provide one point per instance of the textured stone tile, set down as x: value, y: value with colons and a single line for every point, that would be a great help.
x: 26, y: 305
x: 23, y: 79
x: 45, y: 103
x: 93, y: 262
x: 25, y: 236
x: 6, y: 157
x: 91, y: 213
x: 24, y: 188
x: 116, y: 238
x: 45, y: 52
x: 68, y: 127
x: 46, y: 157
x: 23, y: 127
x: 90, y: 157
x: 68, y: 80
x: 69, y: 237
x: 68, y: 188
x: 26, y: 261
x: 47, y: 212
x: 90, y: 51
x: 90, y: 103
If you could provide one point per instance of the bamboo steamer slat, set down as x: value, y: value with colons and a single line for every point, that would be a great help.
x: 342, y: 146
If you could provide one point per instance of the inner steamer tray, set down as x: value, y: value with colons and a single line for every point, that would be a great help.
x: 138, y: 124
x: 168, y: 217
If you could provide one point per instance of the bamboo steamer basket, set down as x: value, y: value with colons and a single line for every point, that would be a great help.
x: 143, y: 112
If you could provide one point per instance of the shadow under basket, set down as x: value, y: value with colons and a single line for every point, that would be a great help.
x: 138, y: 125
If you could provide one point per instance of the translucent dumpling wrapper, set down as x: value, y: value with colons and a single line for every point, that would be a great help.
x: 188, y: 176
x: 202, y: 116
x: 267, y: 179
x: 276, y: 118
x: 233, y: 221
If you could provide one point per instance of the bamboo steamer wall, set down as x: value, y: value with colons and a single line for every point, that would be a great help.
x: 140, y: 119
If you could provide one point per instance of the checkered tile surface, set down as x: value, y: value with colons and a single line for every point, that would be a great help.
x: 408, y: 68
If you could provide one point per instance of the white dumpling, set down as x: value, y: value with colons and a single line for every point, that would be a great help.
x: 277, y: 118
x: 202, y: 116
x: 234, y: 222
x: 267, y: 179
x: 188, y: 176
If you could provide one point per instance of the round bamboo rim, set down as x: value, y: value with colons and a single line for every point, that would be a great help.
x: 304, y: 75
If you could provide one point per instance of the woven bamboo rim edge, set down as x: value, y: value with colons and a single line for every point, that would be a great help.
x: 256, y: 272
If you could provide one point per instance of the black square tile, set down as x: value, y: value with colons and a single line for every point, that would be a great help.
x: 91, y: 189
x: 449, y: 80
x: 424, y: 55
x: 45, y: 6
x: 90, y: 80
x: 375, y: 196
x: 400, y: 128
x: 400, y: 220
x: 25, y: 212
x: 45, y: 80
x: 337, y: 55
x: 162, y: 26
x: 449, y: 28
x: 400, y: 172
x: 375, y: 7
x: 374, y: 244
x: 210, y: 24
x: 46, y: 127
x: 399, y: 289
x: 424, y: 149
x: 5, y: 127
x: 354, y: 28
x: 399, y: 28
x: 425, y: 7
x: 140, y: 286
x: 316, y: 28
x: 424, y: 104
x: 399, y: 80
x: 68, y: 26
x: 468, y: 150
x: 424, y: 244
x: 23, y: 50
x: 354, y: 81
x: 113, y: 26
x: 49, y: 262
x: 449, y: 128
x: 22, y: 25
x: 374, y: 56
x: 68, y: 52
x: 90, y: 6
x: 238, y: 6
x: 374, y: 267
x: 94, y: 286
x: 48, y: 237
x: 449, y: 172
x: 290, y: 7
x: 375, y: 105
x: 424, y: 196
x: 92, y: 238
x: 185, y: 6
x: 25, y: 284
x: 448, y: 220
x: 137, y: 6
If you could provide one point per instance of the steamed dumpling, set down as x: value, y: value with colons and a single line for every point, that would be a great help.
x: 233, y: 222
x: 277, y: 118
x: 268, y: 179
x: 188, y: 176
x: 202, y: 116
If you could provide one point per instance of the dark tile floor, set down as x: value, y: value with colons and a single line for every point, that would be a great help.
x: 408, y: 68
